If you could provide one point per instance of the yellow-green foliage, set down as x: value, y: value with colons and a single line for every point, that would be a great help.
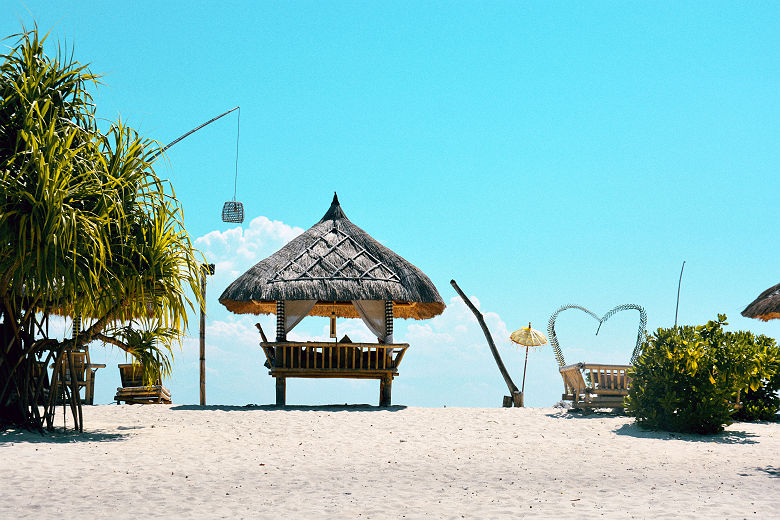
x: 689, y: 379
x: 763, y: 403
x: 86, y: 227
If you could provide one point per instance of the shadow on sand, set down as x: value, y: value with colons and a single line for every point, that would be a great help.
x: 291, y: 408
x: 632, y: 430
x: 9, y: 437
x: 772, y: 471
x: 566, y: 413
x: 725, y: 437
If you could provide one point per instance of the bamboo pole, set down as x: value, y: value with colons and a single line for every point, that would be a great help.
x: 206, y: 270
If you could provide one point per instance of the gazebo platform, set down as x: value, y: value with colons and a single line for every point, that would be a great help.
x: 334, y: 360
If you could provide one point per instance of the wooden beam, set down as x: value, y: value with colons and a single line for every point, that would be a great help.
x: 281, y: 329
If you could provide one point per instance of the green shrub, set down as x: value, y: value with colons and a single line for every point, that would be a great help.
x: 763, y: 403
x: 689, y: 379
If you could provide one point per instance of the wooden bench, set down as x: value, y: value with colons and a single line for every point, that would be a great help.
x: 134, y: 391
x: 334, y: 360
x: 593, y: 385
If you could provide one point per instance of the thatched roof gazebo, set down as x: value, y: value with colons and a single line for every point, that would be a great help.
x: 334, y: 269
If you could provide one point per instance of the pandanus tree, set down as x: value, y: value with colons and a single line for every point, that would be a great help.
x: 87, y: 230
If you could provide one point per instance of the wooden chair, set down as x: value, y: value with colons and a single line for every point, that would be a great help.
x: 590, y: 385
x: 596, y: 385
x: 134, y: 391
x: 82, y: 371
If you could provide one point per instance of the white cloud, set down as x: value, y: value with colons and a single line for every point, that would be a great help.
x: 235, y: 250
x: 458, y: 327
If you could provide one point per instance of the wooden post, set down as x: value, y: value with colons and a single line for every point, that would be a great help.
x: 281, y: 391
x: 281, y: 332
x: 385, y: 391
x: 206, y: 270
x: 388, y: 321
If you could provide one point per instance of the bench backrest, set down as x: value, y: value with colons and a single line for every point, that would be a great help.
x: 78, y: 369
x: 607, y: 377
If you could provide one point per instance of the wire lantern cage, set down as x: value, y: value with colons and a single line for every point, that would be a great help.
x: 233, y: 211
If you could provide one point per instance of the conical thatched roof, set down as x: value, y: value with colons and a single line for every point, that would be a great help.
x: 766, y: 307
x: 334, y: 262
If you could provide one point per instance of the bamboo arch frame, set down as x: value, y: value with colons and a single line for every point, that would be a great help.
x: 640, y: 335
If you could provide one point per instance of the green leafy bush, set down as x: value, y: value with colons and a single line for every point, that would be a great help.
x: 690, y: 379
x: 763, y: 403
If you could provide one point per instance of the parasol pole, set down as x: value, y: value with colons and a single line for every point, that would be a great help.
x: 524, y: 366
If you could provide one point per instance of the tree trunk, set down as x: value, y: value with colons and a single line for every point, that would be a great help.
x: 24, y: 382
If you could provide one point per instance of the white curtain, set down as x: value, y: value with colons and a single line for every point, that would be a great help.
x: 295, y: 311
x: 372, y: 313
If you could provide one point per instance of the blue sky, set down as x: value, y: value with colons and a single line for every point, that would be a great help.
x: 539, y: 153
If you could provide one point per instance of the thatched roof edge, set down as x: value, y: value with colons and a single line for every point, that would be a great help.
x: 257, y: 290
x: 766, y: 307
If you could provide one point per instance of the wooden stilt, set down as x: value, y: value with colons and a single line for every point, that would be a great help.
x: 385, y: 391
x: 281, y: 391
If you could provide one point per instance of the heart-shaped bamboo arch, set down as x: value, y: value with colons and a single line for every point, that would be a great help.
x: 628, y: 306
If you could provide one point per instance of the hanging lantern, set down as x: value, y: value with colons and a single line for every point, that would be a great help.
x: 233, y: 211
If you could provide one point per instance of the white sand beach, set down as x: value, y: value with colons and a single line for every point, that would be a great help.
x: 365, y: 462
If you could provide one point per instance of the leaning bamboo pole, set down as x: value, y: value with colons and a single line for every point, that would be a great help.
x: 516, y: 395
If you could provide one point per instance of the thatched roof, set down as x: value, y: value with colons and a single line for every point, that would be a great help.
x: 766, y: 307
x: 334, y: 262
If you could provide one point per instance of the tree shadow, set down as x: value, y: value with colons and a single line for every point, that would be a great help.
x: 633, y: 430
x: 291, y: 408
x: 724, y: 437
x: 772, y: 471
x: 9, y: 437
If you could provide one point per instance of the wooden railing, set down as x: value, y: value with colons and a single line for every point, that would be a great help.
x: 335, y: 356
